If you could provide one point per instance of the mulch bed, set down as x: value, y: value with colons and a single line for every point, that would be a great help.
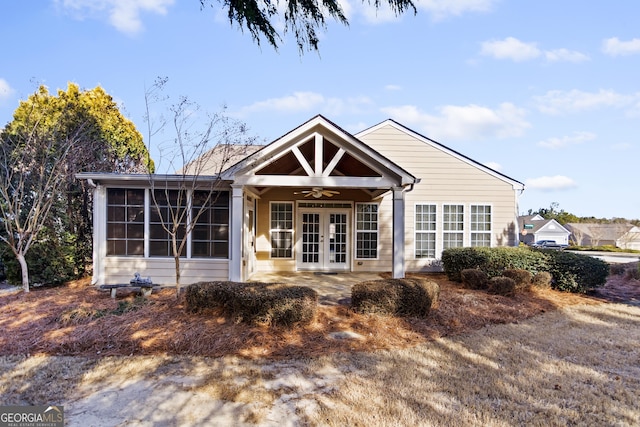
x: 78, y: 319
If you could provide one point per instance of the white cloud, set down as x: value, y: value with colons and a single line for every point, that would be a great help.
x: 510, y: 48
x: 493, y: 165
x: 566, y: 55
x: 441, y: 9
x: 615, y: 47
x: 559, y: 142
x: 6, y: 91
x: 308, y: 101
x: 464, y: 122
x: 124, y: 15
x: 622, y: 146
x: 436, y: 9
x: 393, y: 87
x: 519, y: 51
x: 559, y: 102
x: 551, y: 183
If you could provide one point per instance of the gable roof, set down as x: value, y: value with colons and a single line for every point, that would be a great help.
x: 390, y: 122
x: 218, y: 159
x: 379, y: 170
x: 539, y: 224
x: 601, y: 231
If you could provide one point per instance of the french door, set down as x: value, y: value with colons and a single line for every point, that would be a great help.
x: 323, y: 240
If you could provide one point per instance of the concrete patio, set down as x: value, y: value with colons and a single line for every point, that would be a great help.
x: 332, y: 288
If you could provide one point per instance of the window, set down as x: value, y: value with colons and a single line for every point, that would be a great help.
x: 480, y: 225
x: 425, y: 227
x: 125, y: 221
x: 452, y: 226
x: 281, y: 230
x: 210, y: 234
x: 366, y: 230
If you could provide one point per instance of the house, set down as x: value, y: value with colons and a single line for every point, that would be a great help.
x: 625, y: 236
x: 534, y: 228
x: 316, y: 199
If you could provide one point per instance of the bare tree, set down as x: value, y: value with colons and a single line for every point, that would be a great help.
x: 33, y: 168
x: 596, y: 231
x: 577, y: 234
x: 202, y: 146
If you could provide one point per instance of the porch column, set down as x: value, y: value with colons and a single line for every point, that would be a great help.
x: 99, y: 233
x: 398, y: 233
x: 235, y: 233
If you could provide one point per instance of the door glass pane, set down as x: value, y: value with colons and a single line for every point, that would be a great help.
x: 310, y: 237
x: 337, y: 238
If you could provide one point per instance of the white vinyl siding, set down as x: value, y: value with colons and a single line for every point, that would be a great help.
x: 366, y: 230
x: 425, y: 226
x: 480, y: 225
x: 281, y: 230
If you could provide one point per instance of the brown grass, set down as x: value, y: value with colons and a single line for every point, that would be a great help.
x: 575, y: 365
x: 39, y: 322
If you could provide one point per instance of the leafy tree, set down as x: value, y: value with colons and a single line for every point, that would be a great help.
x: 301, y: 17
x: 101, y: 139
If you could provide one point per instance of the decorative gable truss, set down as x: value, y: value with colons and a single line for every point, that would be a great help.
x: 318, y: 154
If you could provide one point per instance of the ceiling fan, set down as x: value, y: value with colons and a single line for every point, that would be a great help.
x: 318, y: 192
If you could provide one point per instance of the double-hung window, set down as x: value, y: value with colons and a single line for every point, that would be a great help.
x: 425, y: 228
x: 366, y: 230
x: 281, y: 230
x: 125, y: 221
x: 480, y: 225
x: 452, y: 226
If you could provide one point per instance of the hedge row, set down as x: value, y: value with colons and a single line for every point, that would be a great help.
x: 569, y: 271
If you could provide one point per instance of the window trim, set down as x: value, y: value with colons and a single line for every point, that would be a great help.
x: 292, y: 230
x: 448, y: 232
x: 471, y: 223
x: 356, y: 231
x: 416, y: 232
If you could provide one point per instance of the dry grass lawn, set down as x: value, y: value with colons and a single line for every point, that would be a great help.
x: 541, y: 358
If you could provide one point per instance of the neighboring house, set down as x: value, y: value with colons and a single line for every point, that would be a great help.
x: 316, y: 199
x: 625, y: 236
x: 534, y: 228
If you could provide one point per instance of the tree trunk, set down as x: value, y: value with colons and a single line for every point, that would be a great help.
x: 25, y: 272
x: 177, y: 260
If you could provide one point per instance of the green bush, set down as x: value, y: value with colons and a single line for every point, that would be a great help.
x: 403, y: 297
x: 575, y: 272
x: 473, y: 278
x: 502, y: 286
x: 493, y: 261
x: 541, y: 279
x: 521, y: 277
x: 266, y: 303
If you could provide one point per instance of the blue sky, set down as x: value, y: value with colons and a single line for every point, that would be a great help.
x: 546, y: 92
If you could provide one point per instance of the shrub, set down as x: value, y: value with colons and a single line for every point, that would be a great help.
x: 576, y: 273
x: 617, y: 269
x: 502, y: 286
x: 270, y: 303
x: 493, y: 261
x: 632, y: 272
x: 521, y: 277
x: 403, y: 297
x: 542, y: 279
x: 473, y: 278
